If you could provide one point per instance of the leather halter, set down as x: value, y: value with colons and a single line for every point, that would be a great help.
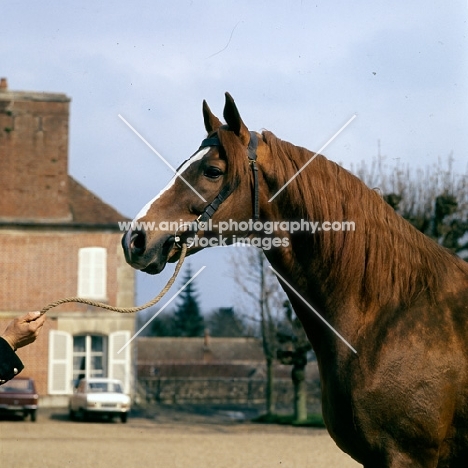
x: 211, y: 209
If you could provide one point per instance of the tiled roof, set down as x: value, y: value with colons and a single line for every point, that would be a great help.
x: 87, y: 208
x: 153, y: 350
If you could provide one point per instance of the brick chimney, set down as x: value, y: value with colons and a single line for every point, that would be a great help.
x: 33, y: 156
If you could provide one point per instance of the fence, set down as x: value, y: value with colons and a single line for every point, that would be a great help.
x: 219, y: 391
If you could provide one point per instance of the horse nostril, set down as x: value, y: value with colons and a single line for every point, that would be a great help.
x: 138, y: 242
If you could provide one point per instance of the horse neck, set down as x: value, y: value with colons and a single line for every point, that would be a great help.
x: 384, y: 261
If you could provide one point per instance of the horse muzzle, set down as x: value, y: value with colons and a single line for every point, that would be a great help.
x: 149, y: 256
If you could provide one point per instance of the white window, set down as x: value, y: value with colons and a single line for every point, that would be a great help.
x: 86, y: 355
x: 119, y: 357
x: 89, y: 356
x: 92, y: 273
x: 60, y: 363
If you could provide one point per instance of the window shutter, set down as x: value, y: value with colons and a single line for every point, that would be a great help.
x: 119, y: 363
x: 60, y: 363
x: 92, y: 272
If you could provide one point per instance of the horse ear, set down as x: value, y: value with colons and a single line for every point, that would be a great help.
x: 233, y: 119
x: 211, y: 121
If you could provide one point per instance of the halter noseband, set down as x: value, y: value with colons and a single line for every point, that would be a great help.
x: 211, y: 209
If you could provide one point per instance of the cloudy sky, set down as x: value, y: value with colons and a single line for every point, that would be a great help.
x: 298, y: 68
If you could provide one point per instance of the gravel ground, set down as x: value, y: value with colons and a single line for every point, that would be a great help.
x: 164, y: 438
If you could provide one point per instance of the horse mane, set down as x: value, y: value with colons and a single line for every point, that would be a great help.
x: 386, y: 259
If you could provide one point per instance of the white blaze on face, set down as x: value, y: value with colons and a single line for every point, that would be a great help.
x: 196, y: 157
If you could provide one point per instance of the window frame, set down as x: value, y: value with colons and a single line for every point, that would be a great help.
x: 92, y: 273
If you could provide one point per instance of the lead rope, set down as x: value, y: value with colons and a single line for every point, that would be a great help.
x: 124, y: 310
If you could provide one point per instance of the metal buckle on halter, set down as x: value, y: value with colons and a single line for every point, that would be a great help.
x: 178, y: 238
x: 202, y: 225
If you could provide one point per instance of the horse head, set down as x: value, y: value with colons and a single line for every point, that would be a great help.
x: 215, y: 183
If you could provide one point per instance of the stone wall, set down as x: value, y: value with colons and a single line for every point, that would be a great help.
x: 219, y: 391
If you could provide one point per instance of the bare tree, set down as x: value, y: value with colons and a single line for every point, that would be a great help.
x: 294, y: 352
x: 433, y: 199
x: 266, y: 297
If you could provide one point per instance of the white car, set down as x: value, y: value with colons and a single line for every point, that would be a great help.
x: 99, y: 396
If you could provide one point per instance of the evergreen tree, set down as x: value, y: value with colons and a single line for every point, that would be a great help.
x: 188, y: 320
x: 163, y: 325
x: 225, y: 322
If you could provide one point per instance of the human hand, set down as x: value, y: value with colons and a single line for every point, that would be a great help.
x: 23, y: 330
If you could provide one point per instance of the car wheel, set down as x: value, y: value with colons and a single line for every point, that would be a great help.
x: 33, y: 415
x: 84, y: 415
x: 124, y: 417
x: 80, y: 414
x: 72, y: 415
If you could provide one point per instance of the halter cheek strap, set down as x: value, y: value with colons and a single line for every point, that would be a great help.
x: 211, y: 209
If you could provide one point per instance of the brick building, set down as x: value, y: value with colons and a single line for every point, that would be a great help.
x: 57, y: 240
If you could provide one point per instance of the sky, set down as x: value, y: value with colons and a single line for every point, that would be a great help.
x: 300, y: 69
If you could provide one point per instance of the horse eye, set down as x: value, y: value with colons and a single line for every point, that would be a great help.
x: 213, y: 172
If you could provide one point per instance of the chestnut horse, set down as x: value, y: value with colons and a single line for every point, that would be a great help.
x: 400, y: 300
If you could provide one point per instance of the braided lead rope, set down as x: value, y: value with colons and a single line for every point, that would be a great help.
x: 124, y: 310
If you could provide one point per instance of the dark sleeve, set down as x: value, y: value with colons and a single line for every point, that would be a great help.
x: 10, y: 363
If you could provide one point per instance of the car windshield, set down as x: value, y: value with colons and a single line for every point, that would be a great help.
x: 103, y: 387
x: 16, y: 386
